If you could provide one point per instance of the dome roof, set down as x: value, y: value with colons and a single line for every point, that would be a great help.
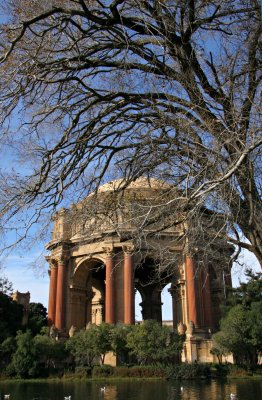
x: 140, y: 183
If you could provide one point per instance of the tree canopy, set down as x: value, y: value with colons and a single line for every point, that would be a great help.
x: 129, y: 88
x: 240, y: 329
x: 151, y: 343
x: 11, y: 314
x: 37, y: 318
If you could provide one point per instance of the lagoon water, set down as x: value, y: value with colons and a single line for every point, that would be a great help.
x: 136, y: 390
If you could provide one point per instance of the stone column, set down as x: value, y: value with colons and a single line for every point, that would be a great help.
x: 60, y: 295
x: 110, y: 288
x: 191, y: 290
x: 129, y: 289
x: 175, y: 311
x: 206, y: 296
x: 177, y: 293
x: 52, y: 291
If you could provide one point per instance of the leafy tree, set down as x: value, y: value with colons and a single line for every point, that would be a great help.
x: 6, y: 287
x: 248, y: 292
x: 240, y: 329
x: 24, y: 361
x: 7, y: 348
x: 49, y: 352
x: 235, y: 335
x: 254, y: 320
x: 90, y: 344
x: 78, y: 346
x: 10, y: 316
x: 164, y: 89
x: 218, y: 350
x: 118, y: 341
x: 37, y: 318
x: 151, y: 343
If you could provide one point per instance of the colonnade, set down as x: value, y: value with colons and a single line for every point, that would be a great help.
x: 129, y: 290
x: 198, y: 307
x: 58, y: 282
x: 56, y: 302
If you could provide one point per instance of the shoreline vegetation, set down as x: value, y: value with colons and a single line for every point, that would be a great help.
x: 185, y: 371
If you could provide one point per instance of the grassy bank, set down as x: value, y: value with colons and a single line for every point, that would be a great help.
x: 177, y: 372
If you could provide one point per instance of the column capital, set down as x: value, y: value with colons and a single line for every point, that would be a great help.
x: 189, y: 250
x: 109, y: 250
x: 62, y: 259
x: 128, y: 250
x: 51, y: 261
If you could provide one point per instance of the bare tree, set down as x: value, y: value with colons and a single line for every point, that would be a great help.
x: 157, y: 88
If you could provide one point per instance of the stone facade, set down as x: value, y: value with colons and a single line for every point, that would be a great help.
x: 24, y: 300
x: 97, y: 263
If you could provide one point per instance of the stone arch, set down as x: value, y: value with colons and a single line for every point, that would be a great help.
x: 150, y: 289
x: 87, y: 293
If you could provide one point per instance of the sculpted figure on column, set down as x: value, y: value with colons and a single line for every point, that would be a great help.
x: 129, y: 289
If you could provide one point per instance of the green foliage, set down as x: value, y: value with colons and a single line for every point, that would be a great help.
x: 151, y: 343
x: 7, y: 348
x: 150, y: 371
x: 37, y: 318
x: 241, y: 328
x: 87, y: 345
x: 104, y: 371
x: 141, y: 371
x: 24, y: 361
x: 6, y: 286
x: 28, y: 356
x: 83, y: 372
x: 219, y: 351
x: 49, y: 352
x: 118, y: 340
x: 10, y: 317
x: 190, y: 371
x: 254, y: 321
x: 248, y: 292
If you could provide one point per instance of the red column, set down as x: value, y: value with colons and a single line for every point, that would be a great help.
x: 60, y: 295
x: 206, y: 296
x: 110, y: 289
x: 52, y: 293
x: 129, y: 290
x: 191, y: 290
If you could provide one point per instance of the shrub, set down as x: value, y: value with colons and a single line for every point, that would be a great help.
x: 190, y: 371
x: 100, y: 371
x: 140, y: 372
x: 83, y: 372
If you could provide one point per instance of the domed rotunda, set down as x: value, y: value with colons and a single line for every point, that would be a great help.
x: 120, y: 240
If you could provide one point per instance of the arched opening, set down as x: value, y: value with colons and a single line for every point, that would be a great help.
x: 167, y: 305
x: 148, y: 286
x: 138, y: 308
x: 87, y: 294
x: 97, y: 277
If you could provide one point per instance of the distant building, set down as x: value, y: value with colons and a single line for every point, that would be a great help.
x: 24, y: 300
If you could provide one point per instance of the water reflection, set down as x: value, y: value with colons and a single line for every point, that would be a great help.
x: 133, y: 390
